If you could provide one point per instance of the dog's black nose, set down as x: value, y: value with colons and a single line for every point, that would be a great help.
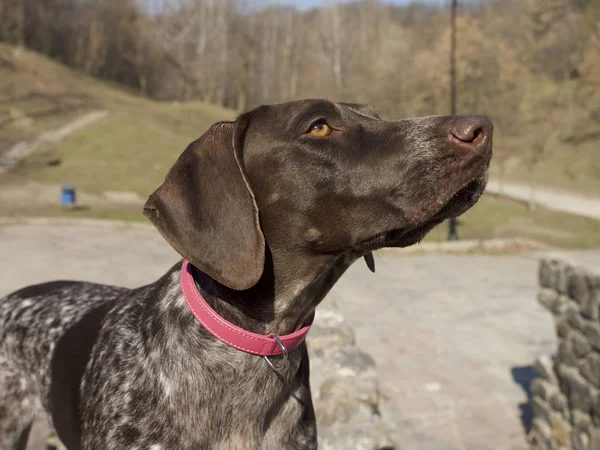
x: 472, y: 131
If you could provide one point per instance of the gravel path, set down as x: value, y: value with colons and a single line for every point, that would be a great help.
x: 555, y: 199
x: 450, y: 333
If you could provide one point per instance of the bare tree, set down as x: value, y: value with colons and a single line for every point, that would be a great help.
x: 21, y: 23
x: 524, y: 63
x: 336, y: 44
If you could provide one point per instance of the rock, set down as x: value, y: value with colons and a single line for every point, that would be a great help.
x: 562, y: 326
x: 543, y: 389
x: 559, y: 403
x: 345, y: 388
x: 594, y: 438
x: 592, y: 332
x: 577, y: 288
x: 561, y: 429
x: 350, y: 361
x: 594, y: 281
x: 364, y: 390
x: 580, y: 441
x: 328, y: 318
x: 581, y: 346
x: 549, y: 298
x: 590, y: 369
x: 541, y: 436
x: 574, y: 317
x: 578, y: 391
x: 344, y: 410
x: 541, y: 409
x: 565, y: 353
x: 591, y: 307
x: 544, y: 367
x: 344, y: 401
x: 581, y: 420
x: 562, y: 274
x: 590, y: 303
x: 547, y: 274
x: 564, y: 303
x: 352, y: 438
x: 553, y: 275
x: 596, y: 410
x: 324, y: 339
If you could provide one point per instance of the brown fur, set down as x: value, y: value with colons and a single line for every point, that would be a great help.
x: 271, y: 217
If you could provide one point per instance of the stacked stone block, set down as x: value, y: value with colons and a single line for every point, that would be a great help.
x: 345, y: 388
x: 566, y: 393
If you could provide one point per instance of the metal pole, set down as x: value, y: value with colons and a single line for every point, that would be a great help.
x: 452, y: 225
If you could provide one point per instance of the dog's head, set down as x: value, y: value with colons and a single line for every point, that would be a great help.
x: 320, y: 177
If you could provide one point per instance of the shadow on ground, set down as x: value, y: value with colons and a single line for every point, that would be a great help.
x: 523, y: 376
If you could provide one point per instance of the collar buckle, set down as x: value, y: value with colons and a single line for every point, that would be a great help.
x: 283, y: 352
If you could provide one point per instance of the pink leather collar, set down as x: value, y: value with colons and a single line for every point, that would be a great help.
x: 234, y: 336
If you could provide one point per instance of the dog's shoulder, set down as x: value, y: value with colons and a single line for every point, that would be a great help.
x: 33, y: 319
x: 56, y: 304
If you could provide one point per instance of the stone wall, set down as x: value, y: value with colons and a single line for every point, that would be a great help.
x: 566, y: 393
x: 344, y: 387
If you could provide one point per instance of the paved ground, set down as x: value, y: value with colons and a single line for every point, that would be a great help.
x: 450, y: 333
x: 559, y: 200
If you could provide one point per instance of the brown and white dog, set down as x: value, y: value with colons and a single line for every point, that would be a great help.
x: 268, y: 212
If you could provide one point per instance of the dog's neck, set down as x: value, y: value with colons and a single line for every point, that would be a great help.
x: 285, y: 296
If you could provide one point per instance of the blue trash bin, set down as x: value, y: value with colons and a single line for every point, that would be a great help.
x: 68, y: 196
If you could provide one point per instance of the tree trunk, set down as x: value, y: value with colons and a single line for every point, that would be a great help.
x: 223, y: 54
x: 337, y: 46
x: 21, y: 23
x: 288, y: 56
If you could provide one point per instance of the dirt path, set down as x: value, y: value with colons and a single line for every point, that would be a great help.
x: 550, y: 198
x: 23, y: 149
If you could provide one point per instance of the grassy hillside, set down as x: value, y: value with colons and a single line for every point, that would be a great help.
x: 37, y: 94
x: 129, y: 150
x: 558, y: 144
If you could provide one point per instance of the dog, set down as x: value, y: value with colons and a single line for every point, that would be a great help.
x: 267, y: 211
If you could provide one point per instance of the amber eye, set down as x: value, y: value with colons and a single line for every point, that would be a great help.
x: 320, y: 129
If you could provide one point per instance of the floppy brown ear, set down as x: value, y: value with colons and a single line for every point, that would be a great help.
x: 206, y: 210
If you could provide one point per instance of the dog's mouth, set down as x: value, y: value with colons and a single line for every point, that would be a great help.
x: 464, y: 198
x: 458, y: 203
